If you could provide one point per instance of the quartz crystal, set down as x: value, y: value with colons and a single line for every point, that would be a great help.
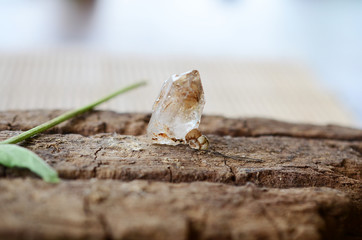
x: 177, y: 112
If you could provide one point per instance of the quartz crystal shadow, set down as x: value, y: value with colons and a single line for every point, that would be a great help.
x: 177, y: 110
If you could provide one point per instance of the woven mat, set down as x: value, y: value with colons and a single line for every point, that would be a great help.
x: 64, y: 80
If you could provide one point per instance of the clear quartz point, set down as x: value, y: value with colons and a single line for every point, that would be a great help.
x: 177, y: 110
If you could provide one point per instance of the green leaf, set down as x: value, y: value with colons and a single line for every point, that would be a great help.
x: 15, y: 156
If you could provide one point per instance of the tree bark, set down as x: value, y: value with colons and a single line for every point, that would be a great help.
x: 260, y: 179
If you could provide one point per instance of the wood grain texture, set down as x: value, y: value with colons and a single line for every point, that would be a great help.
x: 109, y: 209
x: 135, y: 124
x: 261, y: 179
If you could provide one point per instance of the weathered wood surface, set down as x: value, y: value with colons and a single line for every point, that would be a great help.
x: 268, y: 153
x: 135, y: 124
x: 109, y: 209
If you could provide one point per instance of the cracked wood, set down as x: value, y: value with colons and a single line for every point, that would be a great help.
x: 270, y: 154
x: 267, y: 161
x: 135, y: 124
x: 109, y: 209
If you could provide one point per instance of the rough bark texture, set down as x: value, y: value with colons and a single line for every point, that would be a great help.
x: 248, y: 160
x: 135, y: 124
x: 110, y: 209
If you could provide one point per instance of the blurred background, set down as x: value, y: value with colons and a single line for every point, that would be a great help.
x: 299, y: 61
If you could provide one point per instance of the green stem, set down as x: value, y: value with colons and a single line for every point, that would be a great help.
x: 67, y: 115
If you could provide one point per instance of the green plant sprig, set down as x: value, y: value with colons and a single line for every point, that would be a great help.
x: 15, y: 156
x: 68, y: 115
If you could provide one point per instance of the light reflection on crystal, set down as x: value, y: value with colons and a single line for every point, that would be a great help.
x: 177, y: 110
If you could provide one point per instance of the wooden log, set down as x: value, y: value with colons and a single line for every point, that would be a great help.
x: 135, y: 124
x: 257, y: 154
x: 109, y: 209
